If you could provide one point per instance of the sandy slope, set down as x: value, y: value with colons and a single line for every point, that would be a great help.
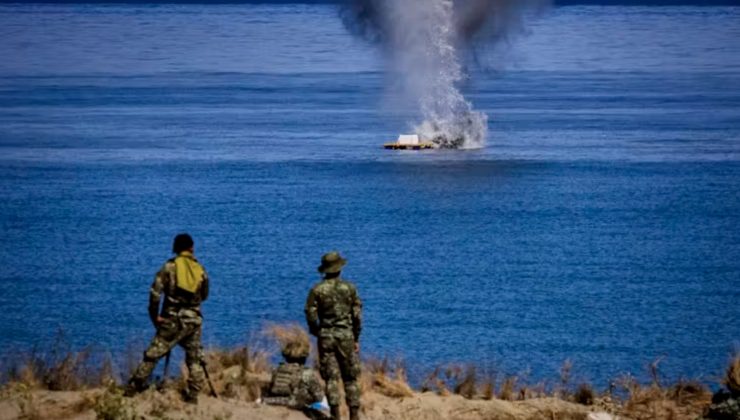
x: 153, y: 405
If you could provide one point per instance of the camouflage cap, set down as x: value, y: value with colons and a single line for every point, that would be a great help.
x: 331, y: 262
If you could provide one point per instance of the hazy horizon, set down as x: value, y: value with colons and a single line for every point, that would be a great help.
x: 556, y: 2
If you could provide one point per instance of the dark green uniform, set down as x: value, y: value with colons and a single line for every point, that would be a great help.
x: 294, y: 385
x: 333, y: 312
x: 184, y: 283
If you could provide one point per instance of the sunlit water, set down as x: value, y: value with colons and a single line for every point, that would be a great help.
x: 599, y: 224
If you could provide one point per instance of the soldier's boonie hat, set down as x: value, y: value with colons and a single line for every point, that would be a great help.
x: 332, y: 262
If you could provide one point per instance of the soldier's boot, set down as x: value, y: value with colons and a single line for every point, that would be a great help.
x: 335, y: 415
x: 189, y: 396
x: 354, y: 413
x: 134, y: 387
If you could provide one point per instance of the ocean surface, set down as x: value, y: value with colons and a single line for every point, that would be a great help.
x: 600, y: 224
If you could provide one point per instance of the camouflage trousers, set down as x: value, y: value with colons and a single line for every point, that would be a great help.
x: 338, y: 359
x: 186, y: 332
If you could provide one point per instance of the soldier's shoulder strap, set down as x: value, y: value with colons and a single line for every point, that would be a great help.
x: 169, y: 266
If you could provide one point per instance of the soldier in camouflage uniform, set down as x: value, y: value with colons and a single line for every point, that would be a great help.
x: 294, y: 385
x: 333, y: 312
x: 184, y: 283
x: 726, y: 402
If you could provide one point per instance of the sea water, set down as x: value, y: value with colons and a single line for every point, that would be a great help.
x: 599, y: 224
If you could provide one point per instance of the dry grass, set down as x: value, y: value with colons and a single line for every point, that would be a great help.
x: 243, y: 373
x: 566, y: 372
x: 59, y: 369
x: 131, y: 358
x: 488, y: 389
x: 461, y: 379
x: 507, y: 390
x: 433, y: 383
x: 240, y: 374
x: 584, y: 395
x: 251, y: 361
x: 467, y: 381
x: 538, y: 390
x: 386, y: 378
x: 732, y: 376
x: 291, y: 338
x: 683, y: 400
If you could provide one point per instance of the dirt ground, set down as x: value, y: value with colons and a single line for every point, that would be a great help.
x: 154, y: 405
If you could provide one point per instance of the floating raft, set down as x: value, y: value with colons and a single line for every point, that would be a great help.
x: 409, y: 142
x: 420, y: 146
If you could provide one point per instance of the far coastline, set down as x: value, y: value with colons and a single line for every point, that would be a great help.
x: 693, y: 3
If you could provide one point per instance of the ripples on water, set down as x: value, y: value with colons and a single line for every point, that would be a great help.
x: 599, y: 224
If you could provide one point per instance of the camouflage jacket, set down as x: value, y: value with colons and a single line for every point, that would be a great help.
x: 333, y: 305
x: 294, y: 385
x: 175, y: 298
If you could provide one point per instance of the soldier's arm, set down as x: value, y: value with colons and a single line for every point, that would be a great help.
x: 356, y: 314
x: 155, y: 294
x: 315, y: 389
x: 312, y: 313
x: 204, y: 287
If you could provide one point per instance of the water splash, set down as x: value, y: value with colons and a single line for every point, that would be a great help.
x: 425, y: 41
x: 431, y: 55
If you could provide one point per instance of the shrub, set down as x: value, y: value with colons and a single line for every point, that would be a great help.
x: 584, y: 395
x: 112, y: 405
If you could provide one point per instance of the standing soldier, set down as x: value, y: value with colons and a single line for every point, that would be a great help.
x: 333, y: 313
x: 185, y: 285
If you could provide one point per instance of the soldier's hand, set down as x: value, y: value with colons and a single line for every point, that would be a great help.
x: 160, y: 320
x: 357, y: 347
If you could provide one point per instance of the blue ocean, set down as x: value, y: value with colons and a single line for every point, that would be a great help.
x: 599, y: 224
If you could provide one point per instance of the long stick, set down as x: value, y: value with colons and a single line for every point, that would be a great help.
x: 208, y: 378
x: 165, y: 375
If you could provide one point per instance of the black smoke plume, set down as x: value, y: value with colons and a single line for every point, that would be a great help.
x: 425, y: 41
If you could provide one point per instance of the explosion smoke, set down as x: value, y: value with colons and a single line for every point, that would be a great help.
x: 424, y: 41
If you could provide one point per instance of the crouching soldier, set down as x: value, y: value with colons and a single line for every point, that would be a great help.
x: 184, y: 283
x: 333, y: 312
x: 296, y: 386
